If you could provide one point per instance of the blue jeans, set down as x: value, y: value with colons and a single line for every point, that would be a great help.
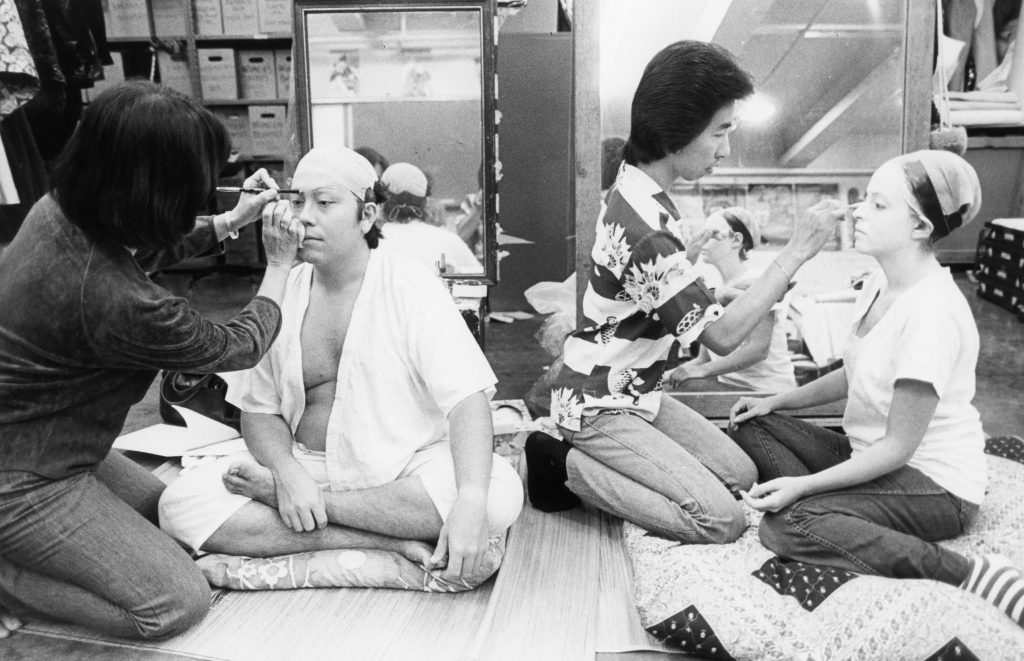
x: 887, y: 526
x: 85, y: 550
x: 675, y: 476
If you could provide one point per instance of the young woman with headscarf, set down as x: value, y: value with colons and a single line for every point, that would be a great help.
x: 911, y: 468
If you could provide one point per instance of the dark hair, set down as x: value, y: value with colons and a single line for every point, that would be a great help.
x: 142, y: 163
x: 611, y: 159
x: 736, y: 225
x: 372, y: 155
x: 374, y: 236
x: 681, y: 89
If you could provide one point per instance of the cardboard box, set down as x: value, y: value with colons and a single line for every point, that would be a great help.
x: 240, y: 17
x: 275, y: 16
x: 257, y: 75
x: 126, y: 19
x: 218, y: 75
x: 208, y: 17
x: 174, y: 73
x: 236, y: 121
x: 169, y: 18
x: 269, y: 127
x: 283, y: 67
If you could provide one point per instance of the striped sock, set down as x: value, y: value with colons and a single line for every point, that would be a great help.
x: 994, y: 579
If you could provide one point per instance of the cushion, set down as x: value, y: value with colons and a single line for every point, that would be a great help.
x: 739, y: 601
x: 341, y: 568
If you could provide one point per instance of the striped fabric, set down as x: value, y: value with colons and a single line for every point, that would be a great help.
x: 643, y: 301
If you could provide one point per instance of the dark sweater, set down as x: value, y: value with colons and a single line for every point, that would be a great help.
x: 83, y: 332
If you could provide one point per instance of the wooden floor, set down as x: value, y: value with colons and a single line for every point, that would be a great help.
x: 563, y: 593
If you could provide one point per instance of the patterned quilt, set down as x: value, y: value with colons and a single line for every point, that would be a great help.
x: 739, y: 601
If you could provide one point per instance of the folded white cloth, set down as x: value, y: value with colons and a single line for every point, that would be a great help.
x: 986, y: 117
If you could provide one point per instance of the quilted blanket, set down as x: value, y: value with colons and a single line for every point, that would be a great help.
x: 739, y: 601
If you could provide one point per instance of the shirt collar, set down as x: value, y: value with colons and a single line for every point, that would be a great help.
x: 633, y: 182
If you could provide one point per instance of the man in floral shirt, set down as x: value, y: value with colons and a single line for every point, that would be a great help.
x: 628, y: 450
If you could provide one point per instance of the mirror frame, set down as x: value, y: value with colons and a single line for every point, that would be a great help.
x: 488, y: 100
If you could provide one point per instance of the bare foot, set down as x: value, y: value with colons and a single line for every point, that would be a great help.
x: 416, y: 552
x: 8, y: 623
x: 247, y: 478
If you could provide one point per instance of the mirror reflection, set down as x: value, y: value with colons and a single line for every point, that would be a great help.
x: 828, y: 106
x: 404, y: 88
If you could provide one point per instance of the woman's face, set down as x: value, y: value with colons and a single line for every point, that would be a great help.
x: 723, y: 241
x: 884, y: 222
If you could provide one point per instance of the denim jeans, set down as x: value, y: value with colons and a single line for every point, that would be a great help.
x: 675, y: 476
x: 887, y: 526
x: 85, y: 550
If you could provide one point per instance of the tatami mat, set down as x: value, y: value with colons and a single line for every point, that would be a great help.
x: 564, y: 592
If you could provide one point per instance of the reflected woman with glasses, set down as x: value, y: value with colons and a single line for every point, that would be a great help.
x: 762, y: 362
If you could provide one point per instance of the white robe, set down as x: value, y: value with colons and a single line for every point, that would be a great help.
x: 408, y: 359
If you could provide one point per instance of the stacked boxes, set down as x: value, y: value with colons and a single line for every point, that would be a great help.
x: 1000, y: 264
x: 269, y: 129
x: 257, y: 74
x: 240, y: 17
x: 218, y: 75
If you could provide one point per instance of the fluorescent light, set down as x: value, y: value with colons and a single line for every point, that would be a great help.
x: 757, y: 109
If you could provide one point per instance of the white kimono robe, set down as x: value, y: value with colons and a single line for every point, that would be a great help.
x: 408, y: 359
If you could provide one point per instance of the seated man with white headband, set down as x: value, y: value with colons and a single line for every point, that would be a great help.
x: 368, y: 420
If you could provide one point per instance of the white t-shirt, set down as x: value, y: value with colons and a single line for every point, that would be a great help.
x: 425, y: 243
x: 929, y: 335
x: 408, y: 359
x: 774, y: 373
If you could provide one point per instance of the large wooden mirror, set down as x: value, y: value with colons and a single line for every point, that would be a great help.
x: 413, y: 80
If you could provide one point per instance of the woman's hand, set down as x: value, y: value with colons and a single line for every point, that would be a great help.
x: 776, y: 494
x: 282, y: 234
x: 696, y: 243
x: 249, y: 205
x: 746, y: 408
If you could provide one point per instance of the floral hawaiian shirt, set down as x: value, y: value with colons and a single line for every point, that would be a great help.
x: 643, y: 301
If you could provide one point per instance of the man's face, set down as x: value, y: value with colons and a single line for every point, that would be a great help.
x: 700, y: 157
x: 329, y: 213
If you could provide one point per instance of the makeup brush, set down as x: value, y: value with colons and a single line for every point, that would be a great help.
x: 254, y: 191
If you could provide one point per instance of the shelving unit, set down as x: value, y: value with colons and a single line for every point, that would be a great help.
x: 257, y: 124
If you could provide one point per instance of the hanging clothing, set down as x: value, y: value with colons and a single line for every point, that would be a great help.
x: 19, y: 81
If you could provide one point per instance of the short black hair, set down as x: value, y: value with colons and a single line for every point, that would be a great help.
x: 611, y: 159
x: 373, y: 236
x: 141, y: 165
x: 681, y: 89
x: 374, y: 156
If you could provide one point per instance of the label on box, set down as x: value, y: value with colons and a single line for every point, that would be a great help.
x: 126, y: 18
x: 240, y: 17
x: 236, y: 121
x: 269, y: 127
x: 208, y: 17
x: 283, y: 67
x: 257, y: 75
x: 275, y: 16
x: 218, y: 76
x: 169, y: 18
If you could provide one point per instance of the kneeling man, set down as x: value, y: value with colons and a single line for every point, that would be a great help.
x: 367, y: 423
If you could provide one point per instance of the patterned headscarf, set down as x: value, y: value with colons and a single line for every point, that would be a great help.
x: 944, y: 188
